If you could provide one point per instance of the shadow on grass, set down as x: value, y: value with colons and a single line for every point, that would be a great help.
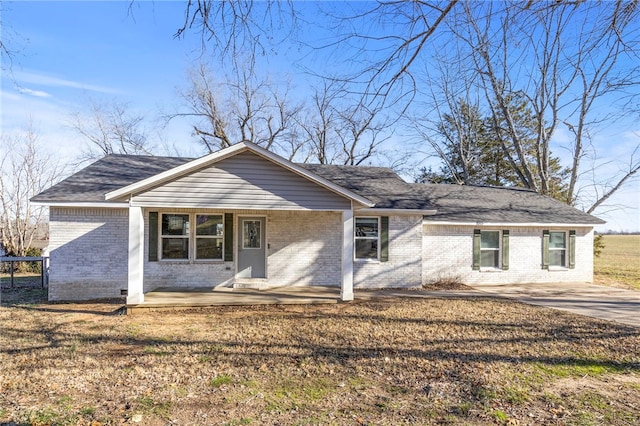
x: 543, y: 343
x: 36, y: 299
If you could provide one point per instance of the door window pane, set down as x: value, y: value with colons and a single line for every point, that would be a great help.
x: 251, y: 234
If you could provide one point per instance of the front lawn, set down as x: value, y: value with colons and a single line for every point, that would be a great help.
x: 399, y: 361
x: 619, y: 263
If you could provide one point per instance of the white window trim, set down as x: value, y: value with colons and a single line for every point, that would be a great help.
x: 497, y: 268
x: 565, y: 266
x: 192, y: 255
x: 355, y: 238
x: 213, y: 237
x: 162, y: 237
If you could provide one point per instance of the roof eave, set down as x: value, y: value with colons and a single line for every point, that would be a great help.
x: 374, y: 210
x: 100, y: 204
x: 515, y: 224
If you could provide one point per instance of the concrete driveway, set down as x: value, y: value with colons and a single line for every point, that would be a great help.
x: 608, y: 303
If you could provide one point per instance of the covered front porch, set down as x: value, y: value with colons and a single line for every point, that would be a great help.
x: 172, y: 298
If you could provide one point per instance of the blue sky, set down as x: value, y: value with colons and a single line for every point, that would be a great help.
x: 69, y: 53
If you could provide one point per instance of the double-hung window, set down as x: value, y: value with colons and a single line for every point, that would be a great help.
x: 367, y: 238
x: 558, y: 248
x: 490, y: 249
x: 189, y: 236
x: 175, y: 232
x: 209, y: 236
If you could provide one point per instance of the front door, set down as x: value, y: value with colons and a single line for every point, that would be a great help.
x: 251, y: 248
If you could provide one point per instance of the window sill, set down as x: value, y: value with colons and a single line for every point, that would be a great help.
x: 188, y: 261
x: 490, y: 270
x: 366, y: 260
x: 558, y: 268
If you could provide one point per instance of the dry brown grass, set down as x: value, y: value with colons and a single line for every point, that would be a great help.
x: 619, y: 263
x: 395, y: 361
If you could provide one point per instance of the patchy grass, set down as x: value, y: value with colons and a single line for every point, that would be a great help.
x: 619, y: 263
x: 388, y: 362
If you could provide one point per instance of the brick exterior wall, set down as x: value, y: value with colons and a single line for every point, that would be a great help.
x: 304, y: 248
x: 88, y: 253
x: 404, y: 267
x: 448, y: 255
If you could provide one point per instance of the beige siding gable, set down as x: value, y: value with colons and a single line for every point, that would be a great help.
x: 243, y: 181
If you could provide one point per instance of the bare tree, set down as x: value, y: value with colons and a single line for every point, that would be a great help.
x: 338, y: 133
x: 25, y: 170
x: 239, y: 31
x: 245, y: 110
x: 110, y: 128
x: 576, y: 65
x: 565, y: 77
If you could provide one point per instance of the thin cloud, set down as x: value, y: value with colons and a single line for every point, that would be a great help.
x: 46, y: 80
x: 36, y: 93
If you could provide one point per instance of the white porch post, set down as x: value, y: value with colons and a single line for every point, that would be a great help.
x: 135, y: 293
x: 346, y: 289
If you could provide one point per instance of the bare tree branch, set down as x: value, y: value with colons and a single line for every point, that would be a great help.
x: 111, y: 129
x: 25, y: 170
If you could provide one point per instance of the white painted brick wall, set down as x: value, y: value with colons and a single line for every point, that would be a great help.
x: 305, y: 248
x: 403, y: 269
x: 178, y: 273
x: 448, y: 254
x: 88, y: 249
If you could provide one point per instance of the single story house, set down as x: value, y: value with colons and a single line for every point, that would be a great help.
x: 246, y: 217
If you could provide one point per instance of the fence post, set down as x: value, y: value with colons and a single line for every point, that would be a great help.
x: 11, y: 272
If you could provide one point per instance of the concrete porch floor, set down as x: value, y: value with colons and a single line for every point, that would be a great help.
x: 184, y: 298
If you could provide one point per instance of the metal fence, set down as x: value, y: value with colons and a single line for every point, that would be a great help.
x: 44, y: 269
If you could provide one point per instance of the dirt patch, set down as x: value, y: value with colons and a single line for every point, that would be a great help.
x: 446, y: 285
x: 396, y: 361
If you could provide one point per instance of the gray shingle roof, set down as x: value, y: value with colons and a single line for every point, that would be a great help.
x: 107, y: 174
x: 379, y: 184
x: 464, y: 203
x: 454, y: 203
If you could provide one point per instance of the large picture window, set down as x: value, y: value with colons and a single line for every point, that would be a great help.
x: 367, y: 238
x: 185, y: 236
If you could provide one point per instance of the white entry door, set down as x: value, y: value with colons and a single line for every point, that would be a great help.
x: 251, y: 248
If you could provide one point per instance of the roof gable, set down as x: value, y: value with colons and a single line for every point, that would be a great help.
x: 242, y: 181
x: 200, y: 163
